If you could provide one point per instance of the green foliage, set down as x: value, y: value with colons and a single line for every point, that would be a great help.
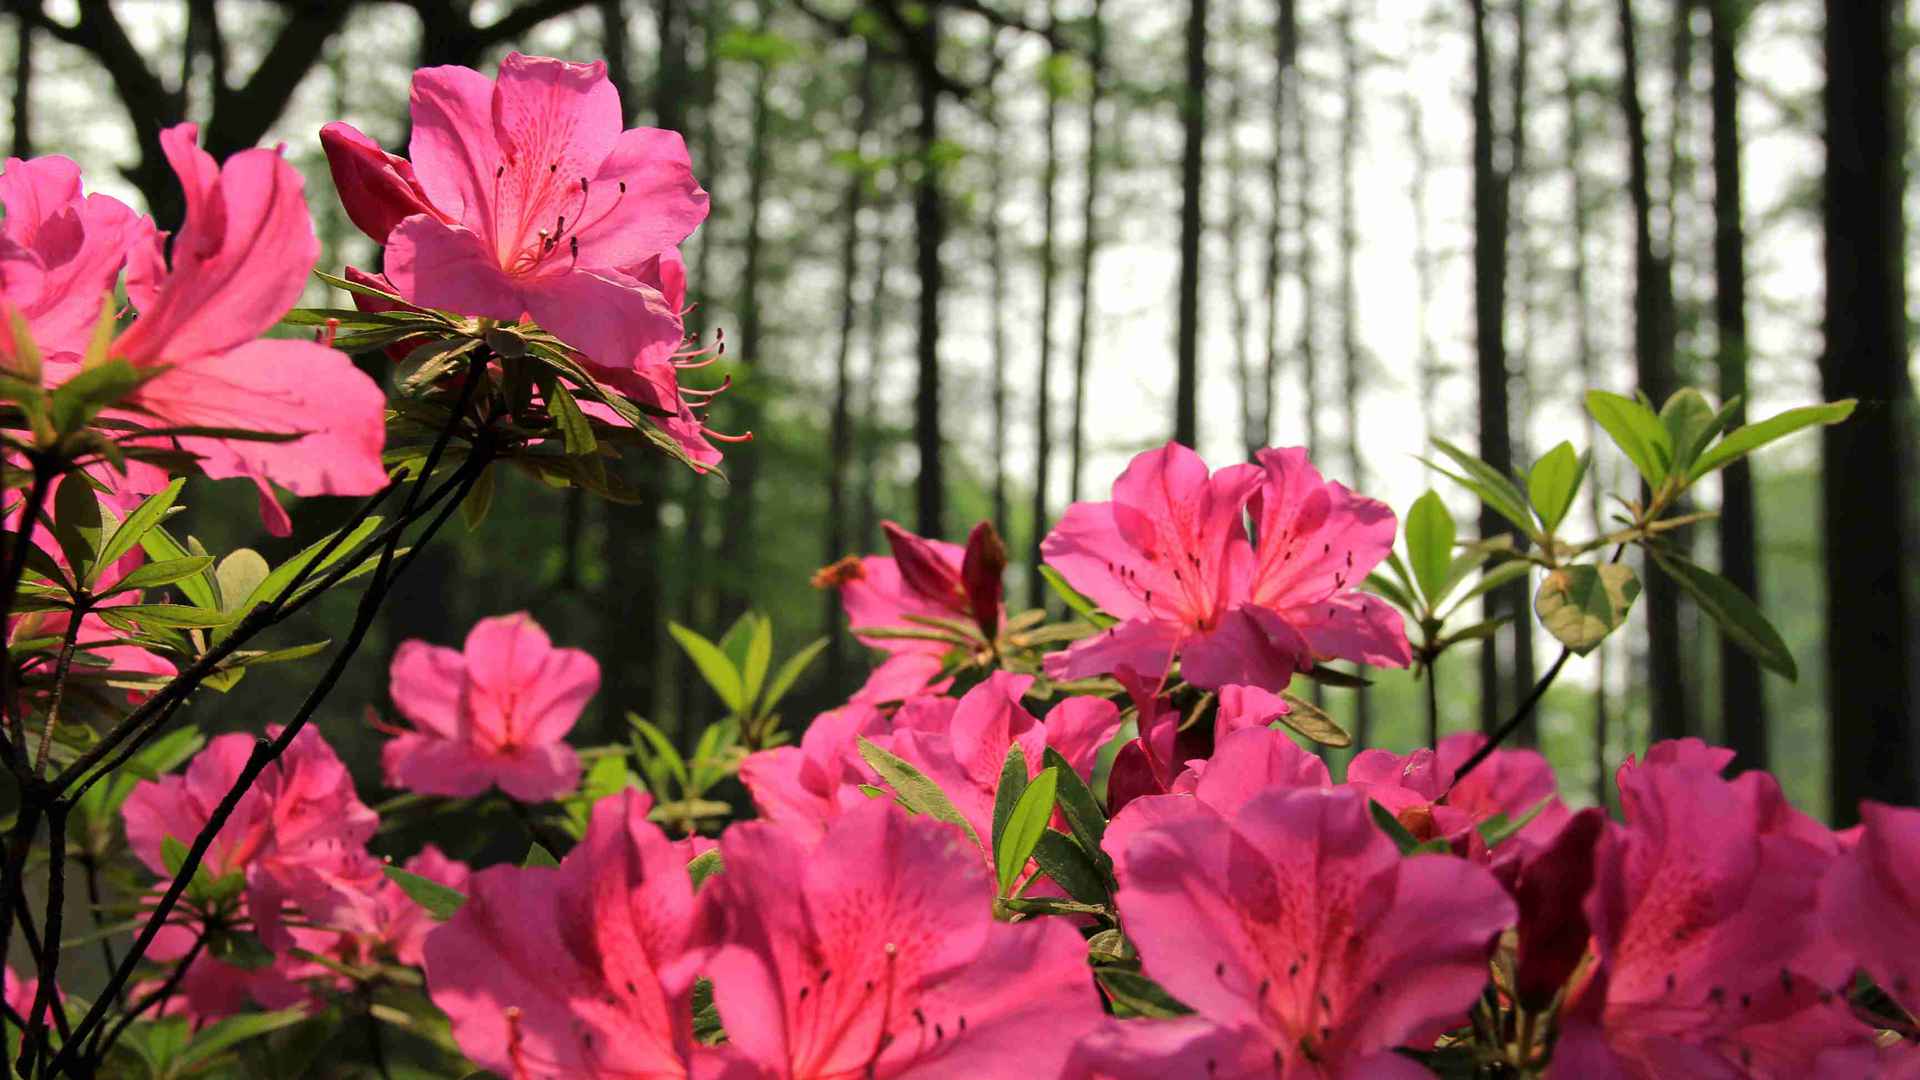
x: 913, y: 789
x: 439, y: 900
x: 1583, y: 603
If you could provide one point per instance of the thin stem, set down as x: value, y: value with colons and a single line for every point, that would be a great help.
x: 1513, y: 722
x: 92, y: 867
x: 13, y: 895
x: 1433, y: 701
x: 266, y: 752
x: 16, y: 565
x: 61, y: 668
x: 47, y: 997
x: 155, y: 999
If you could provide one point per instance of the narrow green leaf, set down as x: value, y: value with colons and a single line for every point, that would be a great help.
x: 148, y: 514
x: 282, y: 576
x: 1312, y: 721
x: 1079, y: 807
x: 753, y: 670
x: 915, y: 790
x: 1733, y: 611
x: 703, y: 866
x: 176, y: 615
x: 1133, y: 994
x: 712, y: 664
x: 1745, y: 440
x: 162, y: 547
x: 538, y: 856
x: 1509, y: 502
x: 575, y: 432
x: 152, y: 575
x: 1506, y: 573
x: 440, y: 901
x: 1514, y: 510
x: 79, y: 524
x: 1635, y: 430
x: 1071, y: 868
x: 1685, y: 417
x: 1076, y: 601
x: 789, y: 673
x: 663, y: 750
x: 1013, y: 784
x: 1430, y: 532
x: 218, y: 1038
x: 1391, y: 591
x: 1581, y: 604
x: 1028, y: 821
x: 1387, y: 823
x: 1554, y: 481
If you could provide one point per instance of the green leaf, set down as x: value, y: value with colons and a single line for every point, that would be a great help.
x: 1686, y: 417
x: 1028, y: 821
x: 79, y: 524
x: 162, y: 547
x: 713, y: 666
x: 753, y: 670
x: 1079, y: 807
x: 1745, y: 440
x: 223, y: 1036
x: 1635, y: 430
x: 1487, y: 482
x: 1430, y: 532
x: 176, y: 615
x: 789, y: 673
x: 238, y: 575
x: 1013, y: 784
x: 575, y: 432
x: 1389, y: 824
x: 1070, y: 867
x: 152, y: 575
x: 1076, y: 601
x: 281, y: 577
x: 1134, y: 994
x: 1312, y: 721
x: 1394, y: 594
x: 538, y: 856
x: 1581, y: 604
x: 1554, y: 481
x: 703, y: 866
x: 914, y: 789
x: 1506, y: 573
x: 439, y: 900
x: 173, y: 855
x: 148, y: 514
x: 1736, y: 615
x: 663, y: 751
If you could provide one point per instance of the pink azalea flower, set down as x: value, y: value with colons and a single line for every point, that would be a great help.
x: 497, y: 713
x: 1296, y: 926
x: 1549, y: 883
x: 1170, y: 558
x: 1419, y: 789
x: 298, y: 835
x: 903, y: 677
x: 60, y: 252
x: 1872, y: 897
x: 1191, y: 1046
x: 805, y: 787
x: 1150, y: 762
x: 874, y: 954
x: 1711, y: 955
x: 240, y: 261
x: 579, y: 970
x: 1245, y: 707
x: 928, y: 579
x: 213, y: 990
x: 22, y: 991
x: 525, y: 197
x: 400, y: 925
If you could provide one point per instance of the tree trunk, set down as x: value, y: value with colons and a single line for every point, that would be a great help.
x: 1043, y: 398
x: 930, y: 226
x: 1089, y: 243
x: 1742, y: 705
x: 1307, y: 343
x: 1584, y: 359
x: 997, y: 301
x: 1283, y: 77
x: 1192, y: 179
x: 1429, y: 359
x: 840, y: 450
x: 1351, y: 353
x: 1490, y: 193
x: 1653, y: 364
x: 1246, y: 378
x: 1866, y: 462
x: 23, y: 87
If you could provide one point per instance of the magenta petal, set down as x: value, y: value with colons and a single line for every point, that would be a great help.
x: 450, y: 267
x: 1248, y: 647
x: 426, y: 683
x: 435, y: 766
x: 377, y: 189
x: 660, y: 205
x: 1140, y: 644
x: 454, y: 152
x: 538, y: 773
x: 280, y: 386
x: 614, y: 321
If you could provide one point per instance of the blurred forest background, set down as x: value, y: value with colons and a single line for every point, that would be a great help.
x: 970, y: 255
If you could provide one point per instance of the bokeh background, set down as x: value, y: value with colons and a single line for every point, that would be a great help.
x: 968, y: 256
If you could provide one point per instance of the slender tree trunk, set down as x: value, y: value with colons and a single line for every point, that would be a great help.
x: 1089, y: 244
x: 1283, y: 77
x: 1352, y: 356
x: 1192, y: 181
x: 930, y: 225
x: 879, y: 320
x: 23, y: 87
x: 997, y: 285
x: 1490, y: 193
x: 1518, y: 97
x: 1423, y: 270
x: 1240, y: 306
x: 736, y: 538
x: 1867, y: 461
x: 1653, y: 363
x: 1306, y: 270
x: 840, y: 450
x: 1043, y: 398
x: 1742, y: 705
x: 1583, y: 349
